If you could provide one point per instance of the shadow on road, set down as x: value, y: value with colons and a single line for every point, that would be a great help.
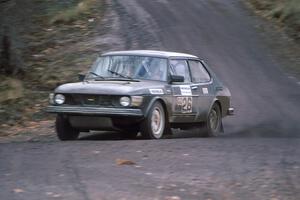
x: 262, y: 130
x: 107, y: 135
x: 177, y: 134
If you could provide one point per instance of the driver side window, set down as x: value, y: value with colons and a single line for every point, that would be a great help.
x: 180, y: 67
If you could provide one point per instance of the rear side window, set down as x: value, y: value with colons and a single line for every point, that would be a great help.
x: 199, y: 73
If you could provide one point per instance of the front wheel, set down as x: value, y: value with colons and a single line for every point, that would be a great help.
x: 64, y: 130
x: 213, y: 125
x: 153, y: 127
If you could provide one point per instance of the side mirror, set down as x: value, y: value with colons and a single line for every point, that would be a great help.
x: 176, y: 78
x: 81, y: 77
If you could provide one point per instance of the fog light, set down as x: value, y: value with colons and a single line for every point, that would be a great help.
x: 136, y: 100
x: 51, y: 98
x: 59, y: 99
x: 125, y: 101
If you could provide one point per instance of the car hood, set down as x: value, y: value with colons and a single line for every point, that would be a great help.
x: 110, y: 87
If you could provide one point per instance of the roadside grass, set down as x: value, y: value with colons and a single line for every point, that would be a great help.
x: 56, y: 48
x: 285, y: 12
x: 73, y: 13
x: 286, y: 17
x: 10, y: 88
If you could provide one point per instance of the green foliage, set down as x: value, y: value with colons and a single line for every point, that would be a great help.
x: 73, y: 13
x: 10, y: 89
x: 53, y: 54
x: 286, y: 12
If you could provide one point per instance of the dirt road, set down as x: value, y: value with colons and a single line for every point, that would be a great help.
x: 224, y: 34
x: 257, y: 158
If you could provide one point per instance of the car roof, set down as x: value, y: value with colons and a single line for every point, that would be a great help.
x: 152, y: 53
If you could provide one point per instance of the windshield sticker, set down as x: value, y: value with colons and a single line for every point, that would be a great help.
x: 156, y: 91
x: 184, y: 104
x: 205, y: 90
x: 185, y: 90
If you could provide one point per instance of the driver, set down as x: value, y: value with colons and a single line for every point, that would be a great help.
x: 151, y: 69
x: 155, y: 72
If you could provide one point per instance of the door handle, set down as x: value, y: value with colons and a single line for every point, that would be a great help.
x: 219, y: 88
x: 194, y: 87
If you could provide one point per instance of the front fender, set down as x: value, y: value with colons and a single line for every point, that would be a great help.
x: 152, y: 101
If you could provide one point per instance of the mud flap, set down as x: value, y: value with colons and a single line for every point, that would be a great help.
x: 222, y: 127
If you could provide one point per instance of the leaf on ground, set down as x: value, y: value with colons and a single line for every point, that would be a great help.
x: 18, y: 190
x: 56, y: 195
x: 124, y: 162
x: 173, y: 198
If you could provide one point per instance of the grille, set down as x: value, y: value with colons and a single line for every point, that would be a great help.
x: 93, y: 100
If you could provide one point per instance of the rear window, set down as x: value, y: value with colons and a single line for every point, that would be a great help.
x: 198, y: 72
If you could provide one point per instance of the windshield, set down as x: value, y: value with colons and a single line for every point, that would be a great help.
x: 130, y: 67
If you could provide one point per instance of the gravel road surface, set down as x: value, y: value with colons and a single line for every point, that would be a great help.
x: 258, y: 157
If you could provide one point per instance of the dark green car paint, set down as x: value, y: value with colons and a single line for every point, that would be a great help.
x: 178, y: 106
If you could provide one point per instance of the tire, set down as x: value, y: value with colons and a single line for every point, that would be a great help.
x: 64, y: 130
x: 213, y: 125
x: 154, y: 125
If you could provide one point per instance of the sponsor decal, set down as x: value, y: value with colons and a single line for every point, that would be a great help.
x: 205, y: 90
x: 185, y: 90
x: 156, y: 91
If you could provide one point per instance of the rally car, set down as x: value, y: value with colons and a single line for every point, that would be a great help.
x: 143, y: 91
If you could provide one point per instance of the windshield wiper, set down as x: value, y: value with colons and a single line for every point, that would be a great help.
x: 121, y: 75
x: 97, y: 75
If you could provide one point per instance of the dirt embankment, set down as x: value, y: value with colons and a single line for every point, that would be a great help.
x: 285, y: 12
x: 43, y: 43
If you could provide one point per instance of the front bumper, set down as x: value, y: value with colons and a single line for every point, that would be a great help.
x: 79, y: 110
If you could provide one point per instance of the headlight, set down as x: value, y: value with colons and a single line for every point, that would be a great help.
x: 59, y: 99
x: 125, y: 101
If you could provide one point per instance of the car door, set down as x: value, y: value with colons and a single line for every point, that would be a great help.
x: 202, y: 85
x: 183, y: 94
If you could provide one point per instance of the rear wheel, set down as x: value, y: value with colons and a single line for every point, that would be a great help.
x: 64, y: 130
x: 153, y: 127
x: 213, y: 125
